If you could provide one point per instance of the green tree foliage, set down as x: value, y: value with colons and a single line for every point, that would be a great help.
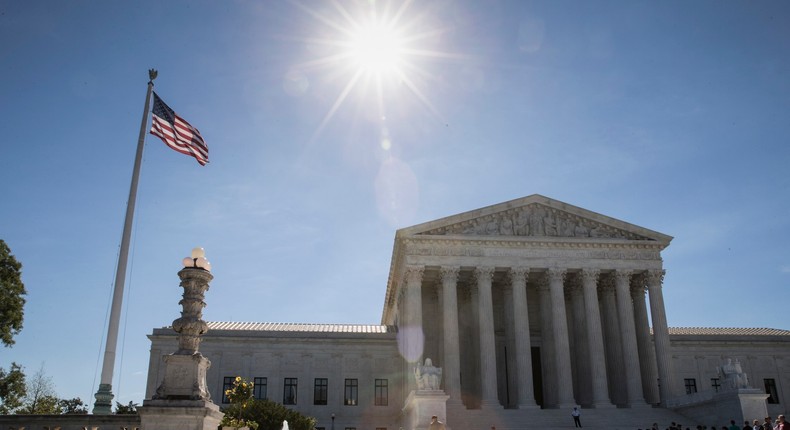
x: 72, y: 406
x: 40, y: 398
x: 129, y: 409
x: 12, y: 290
x: 12, y: 389
x: 270, y: 415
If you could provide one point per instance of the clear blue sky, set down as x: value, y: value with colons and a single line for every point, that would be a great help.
x: 670, y: 115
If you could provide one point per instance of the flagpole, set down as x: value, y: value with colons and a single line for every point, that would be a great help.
x: 104, y: 396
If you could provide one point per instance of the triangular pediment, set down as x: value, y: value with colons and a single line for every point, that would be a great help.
x: 534, y: 216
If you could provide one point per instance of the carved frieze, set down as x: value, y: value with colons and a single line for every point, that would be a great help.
x: 534, y: 220
x: 439, y: 249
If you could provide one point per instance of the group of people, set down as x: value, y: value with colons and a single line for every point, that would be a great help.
x: 766, y: 424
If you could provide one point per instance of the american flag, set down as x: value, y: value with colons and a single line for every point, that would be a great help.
x: 177, y: 133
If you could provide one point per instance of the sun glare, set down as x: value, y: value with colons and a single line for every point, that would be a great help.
x: 385, y: 47
x: 376, y: 47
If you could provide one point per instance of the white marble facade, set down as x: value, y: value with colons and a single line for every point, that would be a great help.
x: 527, y: 304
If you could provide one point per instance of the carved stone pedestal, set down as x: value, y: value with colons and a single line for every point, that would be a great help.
x: 185, y: 378
x: 421, y: 405
x: 179, y: 415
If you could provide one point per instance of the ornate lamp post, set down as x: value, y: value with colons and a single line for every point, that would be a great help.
x: 182, y: 401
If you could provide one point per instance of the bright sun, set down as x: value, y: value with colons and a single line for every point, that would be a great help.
x: 376, y: 47
x: 383, y: 46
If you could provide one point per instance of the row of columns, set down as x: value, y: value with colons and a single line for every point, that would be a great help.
x: 621, y: 333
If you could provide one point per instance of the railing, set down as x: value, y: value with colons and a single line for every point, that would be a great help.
x: 70, y: 422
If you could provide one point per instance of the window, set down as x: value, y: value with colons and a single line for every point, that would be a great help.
x: 351, y: 428
x: 770, y: 389
x: 289, y: 391
x: 691, y: 385
x: 227, y: 384
x: 259, y: 388
x: 381, y: 428
x: 352, y: 390
x: 320, y: 390
x: 715, y: 383
x: 382, y: 388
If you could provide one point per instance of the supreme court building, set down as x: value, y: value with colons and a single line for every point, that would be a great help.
x: 528, y: 307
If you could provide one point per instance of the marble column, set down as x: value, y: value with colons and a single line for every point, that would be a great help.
x: 613, y: 346
x: 488, y: 377
x: 580, y: 350
x: 411, y: 342
x: 600, y: 394
x: 518, y: 282
x: 625, y: 315
x: 646, y: 354
x: 548, y: 363
x: 559, y: 325
x: 660, y: 335
x: 451, y: 362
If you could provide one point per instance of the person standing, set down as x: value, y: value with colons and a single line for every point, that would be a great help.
x: 576, y: 414
x: 782, y: 424
x: 436, y: 424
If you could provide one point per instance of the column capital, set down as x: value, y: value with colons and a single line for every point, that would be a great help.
x: 655, y: 277
x: 413, y: 273
x: 556, y: 274
x: 589, y: 275
x: 518, y: 275
x: 623, y: 275
x: 484, y: 273
x: 449, y: 273
x: 606, y: 283
x: 574, y: 284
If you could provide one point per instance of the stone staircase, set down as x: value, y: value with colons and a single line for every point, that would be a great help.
x: 460, y: 418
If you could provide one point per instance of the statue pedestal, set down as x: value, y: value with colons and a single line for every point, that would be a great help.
x: 744, y: 404
x: 179, y: 415
x: 182, y: 401
x: 421, y: 405
x: 185, y: 378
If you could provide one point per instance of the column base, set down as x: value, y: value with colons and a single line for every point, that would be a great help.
x: 603, y: 405
x: 529, y: 406
x: 491, y: 404
x: 103, y: 403
x: 639, y: 404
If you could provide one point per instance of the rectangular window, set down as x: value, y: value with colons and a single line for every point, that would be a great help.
x: 227, y: 384
x: 381, y: 428
x: 691, y: 385
x: 382, y: 393
x: 714, y: 382
x: 320, y: 391
x: 259, y: 388
x: 352, y: 391
x: 351, y: 428
x: 289, y: 391
x: 770, y: 389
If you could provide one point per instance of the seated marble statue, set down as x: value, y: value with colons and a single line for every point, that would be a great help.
x: 733, y: 375
x: 427, y: 376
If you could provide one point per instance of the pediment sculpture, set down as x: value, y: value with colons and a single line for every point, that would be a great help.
x: 534, y: 220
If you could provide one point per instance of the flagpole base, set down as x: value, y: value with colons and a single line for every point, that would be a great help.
x: 103, y: 404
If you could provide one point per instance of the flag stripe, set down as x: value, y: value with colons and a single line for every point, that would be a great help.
x: 177, y: 133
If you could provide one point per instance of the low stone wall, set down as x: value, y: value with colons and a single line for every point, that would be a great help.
x: 70, y: 422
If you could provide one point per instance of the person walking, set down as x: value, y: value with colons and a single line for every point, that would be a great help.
x: 576, y: 414
x: 436, y: 424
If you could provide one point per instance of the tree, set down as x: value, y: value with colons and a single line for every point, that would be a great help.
x: 41, y: 398
x: 270, y: 415
x: 12, y: 389
x: 129, y: 409
x: 12, y: 290
x: 72, y: 406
